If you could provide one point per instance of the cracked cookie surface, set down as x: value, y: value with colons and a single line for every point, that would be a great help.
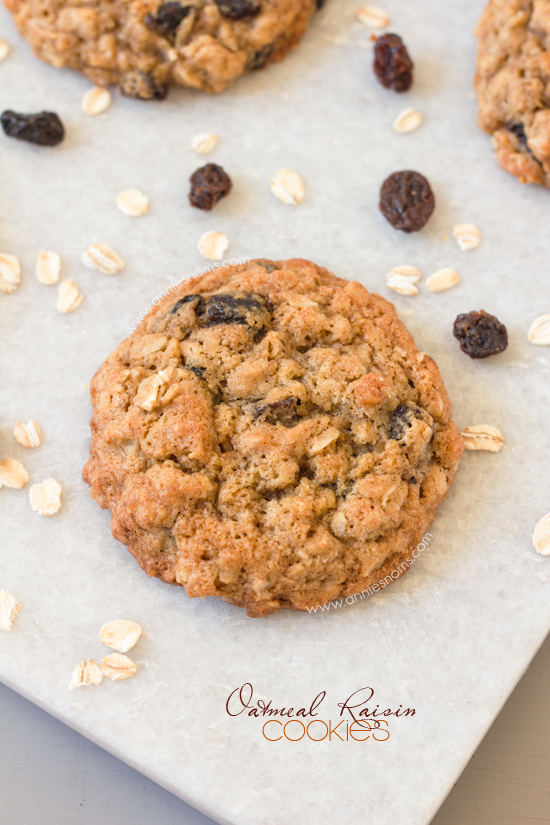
x: 512, y: 82
x: 271, y: 435
x: 146, y: 46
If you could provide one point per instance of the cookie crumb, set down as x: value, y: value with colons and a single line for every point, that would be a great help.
x: 539, y: 331
x: 212, y: 245
x: 373, y: 17
x: 48, y: 267
x: 204, y: 142
x: 69, y: 297
x: 442, y: 279
x: 467, y: 236
x: 288, y: 187
x: 483, y: 437
x: 96, y: 101
x: 10, y: 273
x: 86, y: 673
x: 28, y: 434
x: 120, y: 634
x: 541, y: 536
x: 4, y: 49
x: 13, y: 474
x: 117, y: 667
x: 133, y: 203
x: 9, y: 608
x: 102, y: 257
x: 45, y: 498
x: 407, y: 121
x: 403, y: 279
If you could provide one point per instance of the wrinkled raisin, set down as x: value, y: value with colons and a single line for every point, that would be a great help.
x: 236, y: 308
x: 236, y: 9
x: 401, y: 420
x: 186, y: 300
x: 167, y: 18
x: 392, y: 65
x: 407, y: 201
x: 260, y: 58
x: 282, y: 410
x: 142, y: 86
x: 208, y: 185
x: 199, y: 371
x: 480, y: 334
x: 44, y: 128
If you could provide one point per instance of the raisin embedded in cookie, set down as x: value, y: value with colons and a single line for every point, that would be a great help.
x: 271, y: 435
x: 145, y: 46
x: 512, y: 81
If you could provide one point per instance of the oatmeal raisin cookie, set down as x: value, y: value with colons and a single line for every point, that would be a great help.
x: 145, y: 46
x: 271, y: 435
x: 513, y: 85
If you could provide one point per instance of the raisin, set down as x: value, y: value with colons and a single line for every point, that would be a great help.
x: 260, y: 58
x: 480, y: 334
x: 44, y: 128
x: 142, y: 86
x: 199, y: 371
x: 392, y: 65
x: 208, y: 185
x: 236, y: 9
x: 237, y: 308
x: 518, y: 130
x: 186, y: 300
x: 407, y: 201
x: 319, y: 4
x: 167, y: 18
x: 282, y: 410
x: 267, y: 265
x: 401, y: 420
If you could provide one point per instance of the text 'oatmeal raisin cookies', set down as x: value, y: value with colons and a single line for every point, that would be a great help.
x: 512, y: 82
x: 145, y: 46
x: 271, y: 435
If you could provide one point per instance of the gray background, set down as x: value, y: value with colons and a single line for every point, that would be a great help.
x: 51, y: 775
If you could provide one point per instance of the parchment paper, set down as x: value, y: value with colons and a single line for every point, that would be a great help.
x: 452, y: 637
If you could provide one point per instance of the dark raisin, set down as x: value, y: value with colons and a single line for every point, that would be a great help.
x: 518, y: 130
x: 283, y: 410
x: 142, y: 86
x: 237, y: 308
x: 413, y: 480
x: 267, y: 265
x: 199, y: 371
x: 407, y: 201
x: 260, y: 58
x: 166, y: 18
x: 236, y: 9
x: 44, y: 128
x: 319, y: 4
x: 392, y: 65
x: 186, y: 300
x: 208, y: 185
x: 480, y: 334
x: 401, y: 420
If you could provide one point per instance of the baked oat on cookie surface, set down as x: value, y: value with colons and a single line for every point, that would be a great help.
x: 512, y: 82
x: 270, y: 434
x: 146, y: 45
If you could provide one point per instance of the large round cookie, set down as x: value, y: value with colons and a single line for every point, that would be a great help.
x: 145, y: 45
x: 270, y: 434
x: 513, y: 85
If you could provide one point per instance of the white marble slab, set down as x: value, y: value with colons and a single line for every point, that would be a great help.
x: 452, y: 638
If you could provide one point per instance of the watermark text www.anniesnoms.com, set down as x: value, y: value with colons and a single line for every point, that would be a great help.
x: 191, y: 277
x: 370, y: 591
